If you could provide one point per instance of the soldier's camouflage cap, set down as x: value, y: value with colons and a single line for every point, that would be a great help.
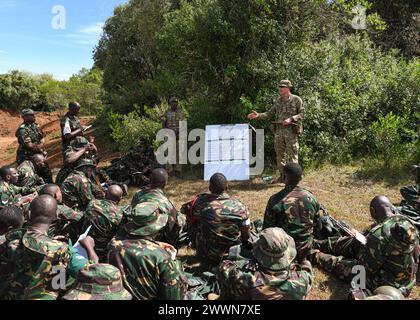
x: 99, y: 282
x: 173, y: 99
x: 84, y: 163
x: 26, y: 112
x: 145, y: 219
x: 79, y: 142
x: 389, y: 291
x: 285, y: 83
x: 275, y: 249
x: 403, y: 234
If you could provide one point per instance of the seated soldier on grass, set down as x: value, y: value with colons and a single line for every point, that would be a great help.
x: 381, y: 209
x: 33, y: 256
x: 217, y: 222
x: 11, y: 218
x: 154, y: 193
x: 105, y: 217
x: 77, y: 189
x: 27, y: 172
x: 293, y: 209
x: 390, y: 256
x: 271, y: 274
x: 10, y: 193
x: 150, y: 267
x: 68, y: 223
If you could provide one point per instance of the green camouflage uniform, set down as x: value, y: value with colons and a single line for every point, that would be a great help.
x: 67, y: 223
x: 410, y: 206
x: 286, y: 138
x: 31, y: 133
x: 388, y: 260
x: 98, y: 282
x: 294, y: 211
x: 270, y: 274
x: 77, y: 191
x: 151, y: 271
x: 105, y: 217
x: 74, y: 123
x: 215, y: 225
x: 29, y: 257
x: 27, y: 133
x: 176, y: 221
x: 172, y: 119
x: 27, y: 175
x: 11, y: 194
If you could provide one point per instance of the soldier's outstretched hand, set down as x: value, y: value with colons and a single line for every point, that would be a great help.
x: 253, y: 115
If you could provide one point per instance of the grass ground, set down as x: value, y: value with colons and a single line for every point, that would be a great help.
x: 341, y: 189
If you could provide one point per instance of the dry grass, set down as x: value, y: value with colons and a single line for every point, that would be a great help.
x: 345, y: 195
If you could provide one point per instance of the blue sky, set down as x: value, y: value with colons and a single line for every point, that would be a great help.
x: 29, y: 42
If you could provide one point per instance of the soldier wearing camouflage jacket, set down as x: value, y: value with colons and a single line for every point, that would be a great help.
x: 176, y: 221
x: 217, y: 221
x: 77, y: 189
x: 105, y: 217
x: 390, y: 256
x: 70, y: 125
x: 149, y: 267
x: 68, y: 223
x: 293, y: 209
x: 270, y: 275
x: 31, y: 255
x: 10, y: 194
x: 28, y: 176
x: 287, y: 115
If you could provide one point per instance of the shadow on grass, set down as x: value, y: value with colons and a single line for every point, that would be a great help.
x: 374, y: 171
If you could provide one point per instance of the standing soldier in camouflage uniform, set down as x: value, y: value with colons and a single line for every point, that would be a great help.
x: 68, y: 223
x: 287, y: 115
x: 105, y: 217
x: 10, y: 193
x: 270, y: 275
x: 171, y: 120
x: 32, y: 255
x: 154, y: 193
x: 77, y: 189
x: 98, y: 282
x: 216, y: 221
x: 149, y: 268
x: 27, y: 172
x: 390, y: 256
x: 31, y: 140
x: 293, y: 209
x: 70, y: 125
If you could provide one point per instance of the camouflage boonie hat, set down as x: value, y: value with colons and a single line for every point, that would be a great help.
x: 145, y: 220
x: 173, y: 99
x: 285, y: 83
x: 84, y: 163
x: 26, y: 112
x: 79, y: 142
x: 389, y: 291
x: 275, y: 249
x: 403, y: 233
x: 99, y: 282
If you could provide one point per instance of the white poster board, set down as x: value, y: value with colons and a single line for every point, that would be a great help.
x: 227, y: 151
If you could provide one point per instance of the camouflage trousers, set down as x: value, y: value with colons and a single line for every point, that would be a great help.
x: 176, y: 166
x: 287, y: 148
x: 347, y: 246
x: 337, y: 265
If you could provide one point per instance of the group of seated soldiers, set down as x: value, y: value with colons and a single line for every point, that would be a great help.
x: 131, y: 251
